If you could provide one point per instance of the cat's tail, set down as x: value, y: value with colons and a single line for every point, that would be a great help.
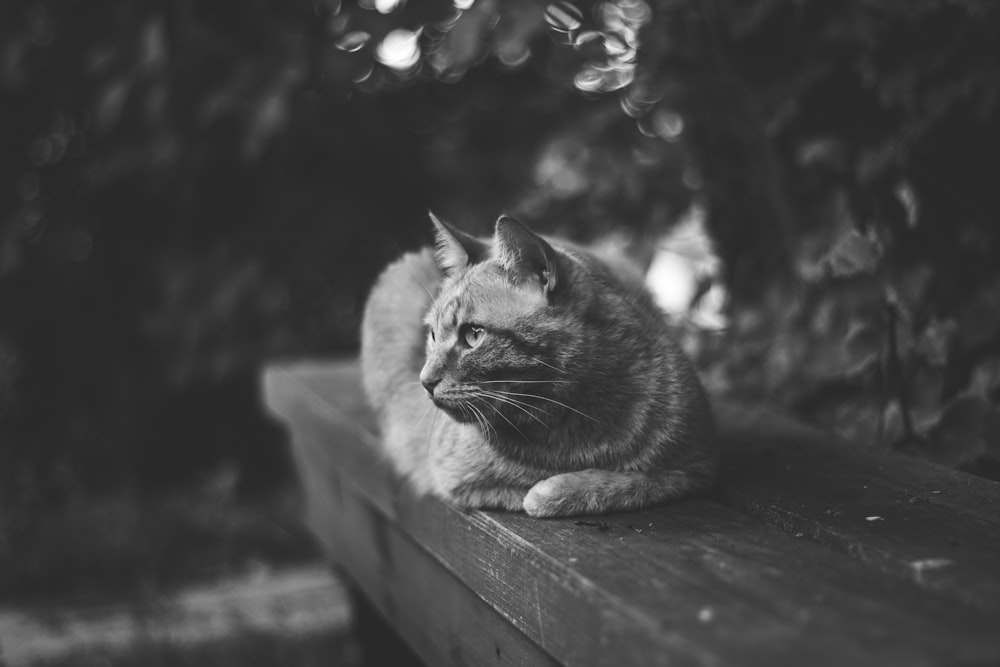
x: 392, y: 334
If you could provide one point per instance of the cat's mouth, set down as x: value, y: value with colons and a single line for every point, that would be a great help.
x: 454, y: 406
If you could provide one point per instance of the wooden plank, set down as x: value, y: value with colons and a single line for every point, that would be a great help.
x: 934, y: 526
x: 937, y: 527
x: 753, y: 435
x: 704, y: 584
x: 437, y: 615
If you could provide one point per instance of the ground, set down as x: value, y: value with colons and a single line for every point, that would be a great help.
x: 194, y: 578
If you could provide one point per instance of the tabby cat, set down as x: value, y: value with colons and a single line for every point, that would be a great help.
x: 524, y: 373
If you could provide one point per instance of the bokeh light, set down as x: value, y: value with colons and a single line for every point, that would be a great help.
x: 354, y: 41
x: 399, y: 50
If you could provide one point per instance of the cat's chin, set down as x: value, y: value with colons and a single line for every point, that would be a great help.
x: 454, y: 411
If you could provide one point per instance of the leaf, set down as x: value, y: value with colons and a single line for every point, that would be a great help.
x: 907, y: 197
x: 853, y: 254
x: 111, y: 102
x: 892, y: 423
x: 986, y: 377
x: 936, y: 341
x: 862, y: 344
x: 910, y: 285
x: 564, y: 16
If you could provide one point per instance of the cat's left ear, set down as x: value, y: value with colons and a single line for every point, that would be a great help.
x: 455, y: 249
x: 525, y: 253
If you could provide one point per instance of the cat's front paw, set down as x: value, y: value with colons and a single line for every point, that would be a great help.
x: 547, y: 499
x: 493, y: 497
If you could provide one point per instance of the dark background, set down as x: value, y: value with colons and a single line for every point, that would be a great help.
x: 190, y: 190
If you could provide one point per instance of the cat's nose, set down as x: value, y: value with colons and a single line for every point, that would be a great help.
x: 430, y: 383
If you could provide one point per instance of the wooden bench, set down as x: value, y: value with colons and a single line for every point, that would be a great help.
x: 811, y: 552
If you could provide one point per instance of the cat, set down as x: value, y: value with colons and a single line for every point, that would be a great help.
x: 523, y: 373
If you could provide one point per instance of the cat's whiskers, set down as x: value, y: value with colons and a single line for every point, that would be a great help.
x: 478, y: 417
x: 500, y: 396
x: 488, y: 431
x: 423, y: 287
x: 430, y: 432
x: 520, y: 405
x: 512, y: 425
x: 412, y: 386
x: 525, y: 382
x: 423, y: 417
x: 544, y: 363
x: 550, y: 400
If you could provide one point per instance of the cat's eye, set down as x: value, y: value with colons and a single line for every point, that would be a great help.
x: 471, y: 335
x: 430, y: 334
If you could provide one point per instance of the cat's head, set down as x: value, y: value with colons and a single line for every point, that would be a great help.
x: 495, y: 328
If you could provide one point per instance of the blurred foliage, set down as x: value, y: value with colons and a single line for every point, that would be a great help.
x: 189, y: 189
x: 130, y: 545
x: 877, y: 122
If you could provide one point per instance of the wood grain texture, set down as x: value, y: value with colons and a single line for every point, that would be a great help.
x: 433, y: 610
x: 936, y: 527
x: 781, y: 566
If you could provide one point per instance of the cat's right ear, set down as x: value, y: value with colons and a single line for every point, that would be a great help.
x: 455, y: 249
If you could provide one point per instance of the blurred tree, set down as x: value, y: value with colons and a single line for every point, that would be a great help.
x: 190, y: 189
x: 873, y: 125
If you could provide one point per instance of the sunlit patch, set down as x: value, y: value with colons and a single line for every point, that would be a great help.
x: 564, y: 16
x: 388, y: 6
x: 446, y: 24
x: 907, y: 197
x: 617, y: 79
x: 514, y: 55
x: 587, y: 37
x: 399, y: 50
x: 692, y: 178
x: 667, y: 124
x: 561, y: 173
x: 639, y: 99
x: 611, y: 49
x: 589, y: 80
x: 353, y: 41
x: 595, y: 79
x: 683, y: 262
x: 463, y: 4
x: 616, y: 47
x: 363, y: 75
x: 637, y: 11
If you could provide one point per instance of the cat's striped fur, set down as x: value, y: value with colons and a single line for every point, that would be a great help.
x: 556, y: 387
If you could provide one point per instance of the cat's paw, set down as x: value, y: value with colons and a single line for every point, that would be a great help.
x: 493, y: 497
x: 547, y: 498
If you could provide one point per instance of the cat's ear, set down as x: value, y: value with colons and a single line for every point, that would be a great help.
x: 455, y: 249
x: 525, y: 253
